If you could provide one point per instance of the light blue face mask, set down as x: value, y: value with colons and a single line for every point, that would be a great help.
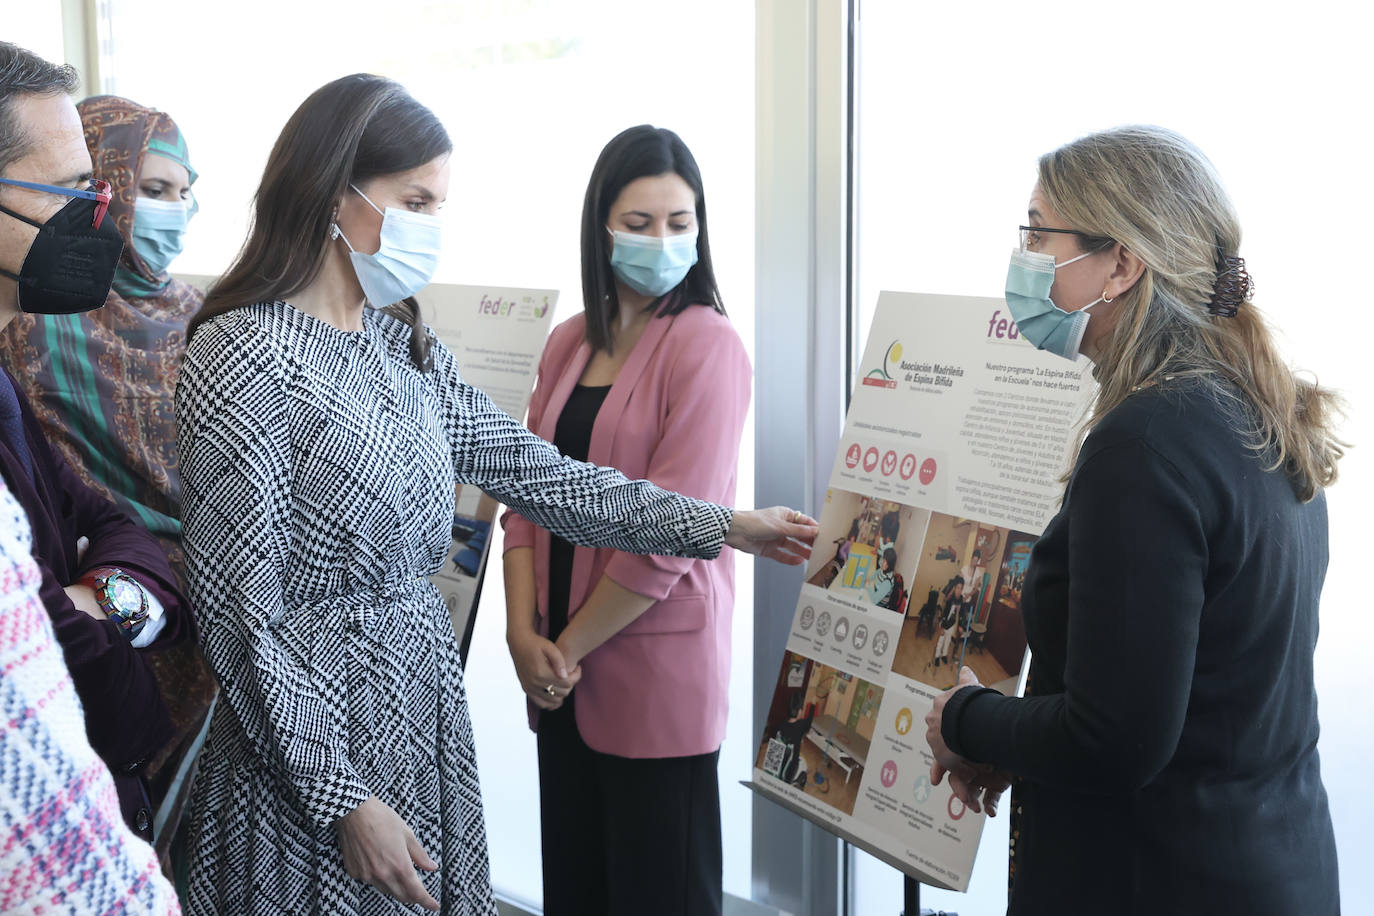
x: 159, y: 229
x: 406, y: 260
x: 1044, y: 324
x: 652, y: 265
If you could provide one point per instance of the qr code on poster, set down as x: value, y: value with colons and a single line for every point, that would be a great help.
x: 775, y: 755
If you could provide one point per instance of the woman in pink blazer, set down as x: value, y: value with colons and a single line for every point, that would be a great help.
x: 626, y: 659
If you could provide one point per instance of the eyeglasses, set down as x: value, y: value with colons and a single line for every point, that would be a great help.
x: 99, y: 192
x: 1030, y: 237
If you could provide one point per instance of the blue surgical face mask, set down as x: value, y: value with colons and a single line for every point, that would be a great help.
x: 652, y: 265
x: 1044, y: 324
x: 406, y: 260
x: 159, y: 230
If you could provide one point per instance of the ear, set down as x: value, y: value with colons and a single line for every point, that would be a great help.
x: 1127, y: 268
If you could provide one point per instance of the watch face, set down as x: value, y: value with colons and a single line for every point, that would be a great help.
x: 126, y: 596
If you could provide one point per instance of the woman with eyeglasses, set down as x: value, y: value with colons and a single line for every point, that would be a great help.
x: 1164, y: 758
x: 323, y: 429
x: 625, y: 659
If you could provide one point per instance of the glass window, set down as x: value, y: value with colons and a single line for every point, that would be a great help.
x: 956, y: 102
x: 38, y: 28
x: 530, y: 90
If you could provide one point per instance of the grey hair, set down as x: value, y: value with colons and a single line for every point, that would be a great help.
x: 24, y: 73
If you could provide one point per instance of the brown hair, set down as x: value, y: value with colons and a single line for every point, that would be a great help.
x: 347, y: 132
x: 1156, y: 194
x: 634, y: 153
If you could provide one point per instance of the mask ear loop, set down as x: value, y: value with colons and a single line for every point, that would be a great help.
x: 366, y: 198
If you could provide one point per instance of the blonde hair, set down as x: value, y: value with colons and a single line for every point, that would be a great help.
x: 1156, y: 194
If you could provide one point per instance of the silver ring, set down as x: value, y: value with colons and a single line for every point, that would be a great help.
x: 550, y: 691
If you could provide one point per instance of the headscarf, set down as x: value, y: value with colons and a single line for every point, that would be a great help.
x: 102, y: 386
x: 121, y: 135
x: 102, y: 382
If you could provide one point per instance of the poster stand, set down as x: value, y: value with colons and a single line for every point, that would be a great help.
x: 946, y: 474
x: 911, y: 900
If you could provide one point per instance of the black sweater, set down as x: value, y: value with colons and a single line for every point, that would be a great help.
x: 1168, y: 742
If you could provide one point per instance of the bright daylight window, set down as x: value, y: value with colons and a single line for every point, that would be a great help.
x: 530, y: 91
x: 955, y: 104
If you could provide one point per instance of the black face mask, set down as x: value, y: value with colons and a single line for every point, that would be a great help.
x: 71, y: 264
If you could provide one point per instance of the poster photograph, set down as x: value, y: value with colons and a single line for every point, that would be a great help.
x: 819, y: 729
x: 868, y: 549
x: 968, y: 585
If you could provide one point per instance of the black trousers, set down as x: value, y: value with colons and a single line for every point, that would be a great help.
x: 625, y: 835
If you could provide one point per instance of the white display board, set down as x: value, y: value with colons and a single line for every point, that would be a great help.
x: 497, y: 335
x: 948, y: 469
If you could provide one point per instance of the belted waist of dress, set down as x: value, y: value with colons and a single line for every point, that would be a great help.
x: 389, y: 591
x: 367, y: 596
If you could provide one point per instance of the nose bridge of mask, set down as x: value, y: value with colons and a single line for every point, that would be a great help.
x: 654, y: 250
x: 162, y: 214
x: 412, y: 231
x: 1031, y: 274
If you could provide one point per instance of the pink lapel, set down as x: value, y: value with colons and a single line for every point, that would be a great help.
x: 604, y: 429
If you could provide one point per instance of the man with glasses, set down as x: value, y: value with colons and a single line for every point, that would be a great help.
x: 106, y: 584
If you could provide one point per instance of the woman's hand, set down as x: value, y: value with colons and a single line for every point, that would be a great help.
x: 540, y: 664
x: 779, y: 533
x: 945, y: 759
x: 982, y: 788
x: 381, y: 850
x: 976, y: 785
x: 567, y: 651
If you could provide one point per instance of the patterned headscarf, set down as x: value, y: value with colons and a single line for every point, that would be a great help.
x: 103, y: 384
x: 120, y: 134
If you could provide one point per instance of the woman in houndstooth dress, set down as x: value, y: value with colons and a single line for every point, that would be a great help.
x: 320, y: 445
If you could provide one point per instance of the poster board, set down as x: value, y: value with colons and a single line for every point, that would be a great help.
x: 497, y: 335
x: 948, y: 469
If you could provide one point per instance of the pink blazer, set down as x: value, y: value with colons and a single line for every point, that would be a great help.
x: 675, y: 415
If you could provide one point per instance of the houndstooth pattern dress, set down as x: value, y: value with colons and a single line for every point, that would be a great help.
x: 318, y: 468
